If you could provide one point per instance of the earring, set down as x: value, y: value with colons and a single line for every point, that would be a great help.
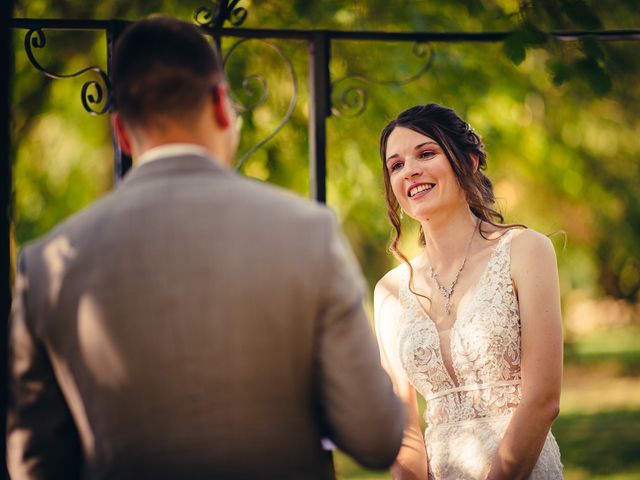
x: 401, y: 214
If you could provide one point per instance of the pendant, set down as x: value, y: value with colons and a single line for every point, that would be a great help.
x: 446, y: 293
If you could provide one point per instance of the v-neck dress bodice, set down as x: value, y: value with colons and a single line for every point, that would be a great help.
x: 467, y: 414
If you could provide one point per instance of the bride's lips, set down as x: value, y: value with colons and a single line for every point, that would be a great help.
x: 419, y: 190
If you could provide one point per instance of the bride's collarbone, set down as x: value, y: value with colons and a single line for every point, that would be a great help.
x: 433, y: 302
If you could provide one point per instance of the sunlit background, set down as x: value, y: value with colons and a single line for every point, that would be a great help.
x: 560, y: 121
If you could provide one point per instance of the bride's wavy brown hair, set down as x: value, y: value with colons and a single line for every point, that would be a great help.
x: 461, y: 144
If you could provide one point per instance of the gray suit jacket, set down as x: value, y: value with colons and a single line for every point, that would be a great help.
x: 194, y: 324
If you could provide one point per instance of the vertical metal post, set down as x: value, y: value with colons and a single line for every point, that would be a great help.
x: 219, y: 17
x: 7, y: 66
x: 121, y: 161
x: 319, y: 111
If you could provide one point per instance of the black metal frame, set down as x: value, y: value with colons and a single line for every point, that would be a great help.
x: 320, y: 100
x: 319, y: 46
x: 6, y: 65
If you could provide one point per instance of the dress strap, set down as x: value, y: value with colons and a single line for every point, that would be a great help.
x: 500, y: 264
x: 504, y: 243
x: 507, y: 236
x: 403, y: 286
x: 411, y: 309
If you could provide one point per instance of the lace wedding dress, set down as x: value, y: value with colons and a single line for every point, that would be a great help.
x: 466, y: 417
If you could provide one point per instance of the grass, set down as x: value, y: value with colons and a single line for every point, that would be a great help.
x: 598, y: 430
x: 602, y: 444
x: 614, y: 347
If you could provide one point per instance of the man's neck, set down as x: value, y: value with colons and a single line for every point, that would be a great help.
x: 172, y: 150
x: 148, y: 143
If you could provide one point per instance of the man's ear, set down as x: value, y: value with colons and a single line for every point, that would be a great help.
x: 124, y: 140
x: 222, y: 109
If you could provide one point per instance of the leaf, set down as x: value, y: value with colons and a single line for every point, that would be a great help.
x: 532, y: 35
x: 559, y: 71
x: 582, y: 14
x: 514, y: 47
x: 594, y: 74
x: 592, y: 48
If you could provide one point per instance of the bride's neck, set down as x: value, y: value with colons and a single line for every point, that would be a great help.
x: 447, y: 237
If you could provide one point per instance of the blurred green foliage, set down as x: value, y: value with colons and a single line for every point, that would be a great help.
x: 560, y: 119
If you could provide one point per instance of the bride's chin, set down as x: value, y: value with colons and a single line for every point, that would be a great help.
x: 422, y: 215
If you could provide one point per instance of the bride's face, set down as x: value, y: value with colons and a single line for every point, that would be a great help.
x: 420, y: 174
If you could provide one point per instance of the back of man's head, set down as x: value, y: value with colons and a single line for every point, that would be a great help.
x: 163, y: 69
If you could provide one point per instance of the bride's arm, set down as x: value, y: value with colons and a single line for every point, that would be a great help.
x: 535, y: 276
x: 411, y: 462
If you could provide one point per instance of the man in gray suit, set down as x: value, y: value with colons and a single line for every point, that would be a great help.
x: 192, y: 324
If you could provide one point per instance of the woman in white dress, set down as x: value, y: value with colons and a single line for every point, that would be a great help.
x: 473, y: 322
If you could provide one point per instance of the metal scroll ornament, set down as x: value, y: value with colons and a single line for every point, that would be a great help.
x: 350, y: 101
x: 223, y: 11
x: 255, y: 87
x: 94, y: 93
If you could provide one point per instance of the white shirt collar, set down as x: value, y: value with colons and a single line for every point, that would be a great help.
x: 172, y: 150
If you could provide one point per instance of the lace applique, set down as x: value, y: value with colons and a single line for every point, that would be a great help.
x: 466, y: 421
x: 485, y: 348
x: 465, y: 451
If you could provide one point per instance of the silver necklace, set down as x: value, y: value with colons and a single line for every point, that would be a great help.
x: 447, y: 292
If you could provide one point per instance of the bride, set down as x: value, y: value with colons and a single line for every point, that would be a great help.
x: 473, y: 322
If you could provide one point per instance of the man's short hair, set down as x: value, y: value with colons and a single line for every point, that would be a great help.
x: 163, y: 67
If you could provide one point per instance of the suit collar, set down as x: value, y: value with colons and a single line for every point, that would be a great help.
x: 172, y: 150
x: 171, y: 166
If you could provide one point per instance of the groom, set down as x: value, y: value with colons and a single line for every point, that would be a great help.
x: 193, y: 324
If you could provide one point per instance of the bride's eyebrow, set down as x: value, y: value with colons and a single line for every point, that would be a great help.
x: 423, y: 144
x: 391, y: 157
x: 417, y: 147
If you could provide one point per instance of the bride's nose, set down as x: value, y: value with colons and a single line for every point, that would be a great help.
x: 412, y: 169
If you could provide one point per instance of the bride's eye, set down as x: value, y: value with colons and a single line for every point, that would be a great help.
x: 426, y: 154
x: 396, y: 166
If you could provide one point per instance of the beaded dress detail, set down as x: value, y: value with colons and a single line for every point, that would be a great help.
x: 468, y: 413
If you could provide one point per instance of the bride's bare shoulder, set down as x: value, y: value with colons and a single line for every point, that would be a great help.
x: 494, y: 232
x: 522, y: 236
x: 386, y: 299
x: 528, y: 240
x: 533, y: 261
x: 388, y: 284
